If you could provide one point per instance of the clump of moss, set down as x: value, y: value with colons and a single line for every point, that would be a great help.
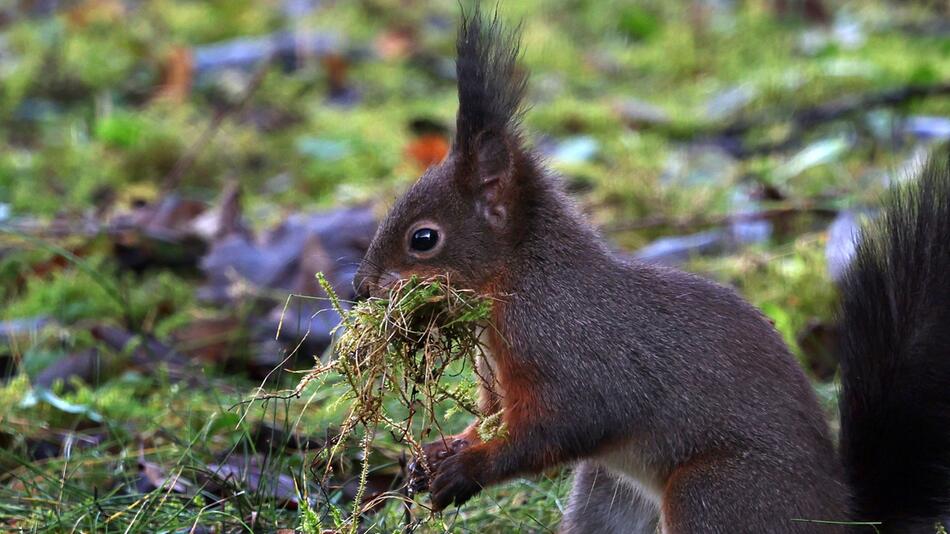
x: 395, y: 355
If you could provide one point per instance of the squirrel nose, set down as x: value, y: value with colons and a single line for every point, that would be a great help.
x: 365, y: 286
x: 361, y: 285
x: 384, y: 282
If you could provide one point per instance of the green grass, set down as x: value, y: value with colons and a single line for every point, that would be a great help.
x: 81, y: 123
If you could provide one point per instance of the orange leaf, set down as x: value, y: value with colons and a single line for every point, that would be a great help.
x: 427, y: 150
x: 176, y: 75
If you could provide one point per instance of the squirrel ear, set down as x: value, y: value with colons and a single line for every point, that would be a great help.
x: 495, y: 177
x: 490, y: 88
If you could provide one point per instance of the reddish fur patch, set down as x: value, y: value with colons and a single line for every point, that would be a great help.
x: 470, y: 434
x: 521, y: 403
x: 520, y: 400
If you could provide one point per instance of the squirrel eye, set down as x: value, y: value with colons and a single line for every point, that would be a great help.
x: 424, y: 239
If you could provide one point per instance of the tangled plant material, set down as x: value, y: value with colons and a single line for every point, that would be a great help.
x: 394, y: 354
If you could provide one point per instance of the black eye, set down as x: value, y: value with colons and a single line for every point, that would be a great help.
x: 424, y: 239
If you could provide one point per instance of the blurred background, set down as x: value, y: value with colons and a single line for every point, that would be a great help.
x: 174, y: 172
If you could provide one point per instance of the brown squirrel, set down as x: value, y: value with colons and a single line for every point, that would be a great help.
x: 677, y: 400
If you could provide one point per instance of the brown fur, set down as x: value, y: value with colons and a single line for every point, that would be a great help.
x: 666, y: 389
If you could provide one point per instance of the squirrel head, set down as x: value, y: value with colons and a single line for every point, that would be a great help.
x: 465, y: 216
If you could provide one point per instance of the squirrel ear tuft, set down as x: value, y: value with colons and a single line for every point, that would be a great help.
x: 491, y: 89
x: 490, y: 84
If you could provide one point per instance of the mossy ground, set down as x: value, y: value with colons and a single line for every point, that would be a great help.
x: 90, y: 117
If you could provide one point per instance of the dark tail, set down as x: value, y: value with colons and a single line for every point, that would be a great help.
x: 895, y: 358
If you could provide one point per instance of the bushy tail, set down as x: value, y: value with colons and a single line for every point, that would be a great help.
x: 895, y: 358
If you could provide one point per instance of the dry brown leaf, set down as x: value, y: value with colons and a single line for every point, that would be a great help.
x: 177, y: 73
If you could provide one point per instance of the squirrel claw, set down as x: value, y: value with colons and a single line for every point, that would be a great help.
x: 419, y: 469
x: 452, y: 484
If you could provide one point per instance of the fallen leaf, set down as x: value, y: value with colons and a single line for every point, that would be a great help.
x: 85, y: 365
x: 575, y: 150
x: 428, y: 150
x: 15, y: 329
x: 158, y: 234
x: 153, y: 477
x: 286, y: 258
x: 928, y: 127
x: 638, y: 114
x: 818, y: 153
x: 247, y: 473
x: 211, y: 340
x: 247, y: 53
x: 841, y: 245
x: 677, y: 250
x: 176, y: 75
x: 340, y: 90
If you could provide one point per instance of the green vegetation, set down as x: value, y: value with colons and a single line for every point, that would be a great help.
x: 156, y: 411
x: 407, y: 352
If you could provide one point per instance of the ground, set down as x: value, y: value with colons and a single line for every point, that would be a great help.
x: 164, y: 189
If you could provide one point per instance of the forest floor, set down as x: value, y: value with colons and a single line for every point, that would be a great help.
x: 173, y: 174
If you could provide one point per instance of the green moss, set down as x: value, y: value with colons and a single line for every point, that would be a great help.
x: 70, y: 295
x: 212, y: 20
x: 99, y: 57
x: 79, y: 117
x: 19, y: 70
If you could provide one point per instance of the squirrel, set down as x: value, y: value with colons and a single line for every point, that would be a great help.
x: 677, y: 401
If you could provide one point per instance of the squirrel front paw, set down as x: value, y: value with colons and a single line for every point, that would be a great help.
x: 453, y: 482
x: 420, y: 469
